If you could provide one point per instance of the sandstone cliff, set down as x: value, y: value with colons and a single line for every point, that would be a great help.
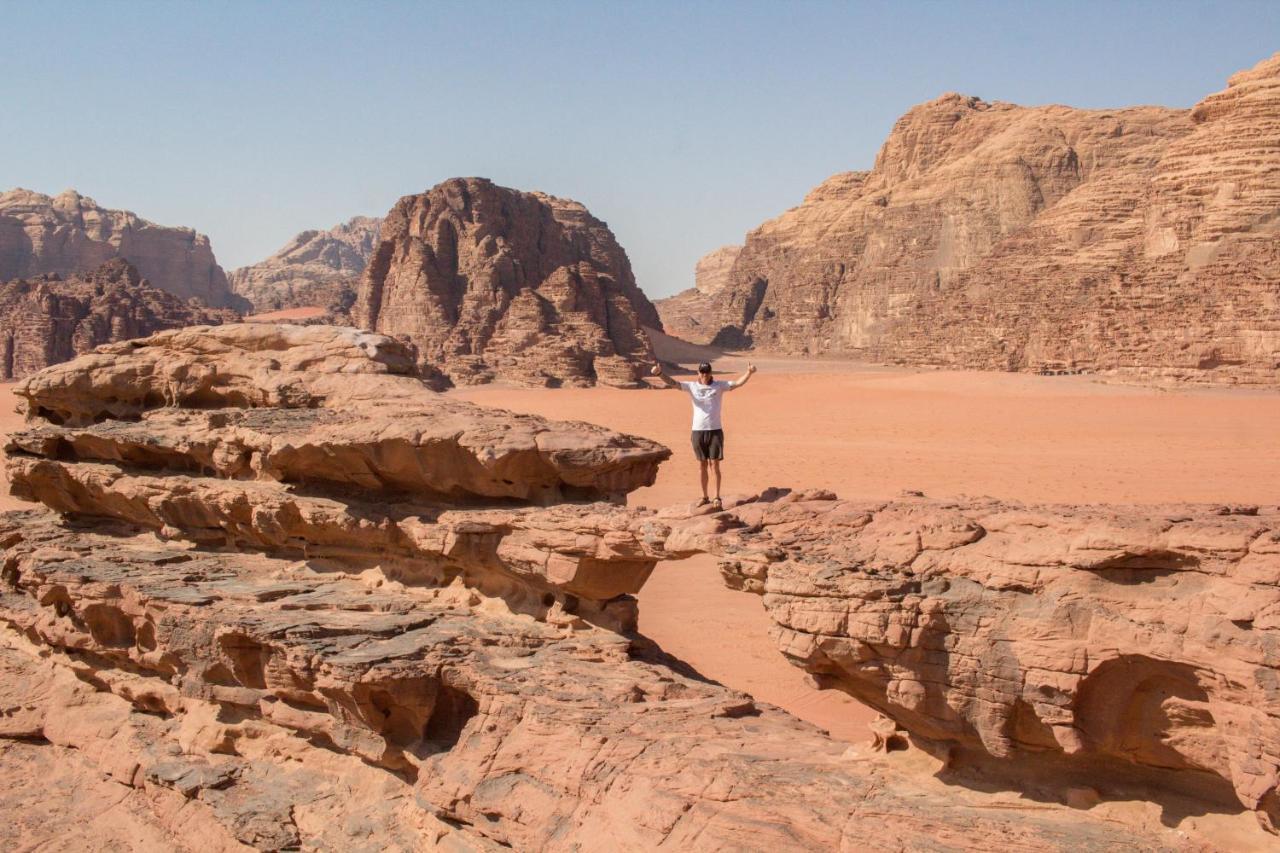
x: 1124, y: 650
x: 316, y: 268
x: 694, y: 314
x: 49, y: 319
x: 70, y: 234
x: 1001, y: 237
x: 490, y: 282
x: 262, y: 611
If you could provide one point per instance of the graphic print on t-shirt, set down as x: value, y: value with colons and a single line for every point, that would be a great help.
x: 706, y: 402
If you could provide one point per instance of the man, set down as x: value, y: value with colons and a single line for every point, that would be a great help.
x: 708, y: 436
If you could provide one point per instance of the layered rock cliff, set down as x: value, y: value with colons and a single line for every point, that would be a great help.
x: 70, y: 234
x: 49, y: 319
x: 316, y: 268
x: 993, y: 236
x: 695, y: 314
x: 282, y: 596
x: 490, y: 282
x: 1126, y: 650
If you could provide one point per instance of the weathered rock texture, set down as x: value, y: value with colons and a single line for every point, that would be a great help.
x: 695, y: 314
x: 70, y: 234
x: 490, y: 282
x: 49, y: 319
x: 332, y: 656
x: 316, y: 268
x: 1101, y: 646
x: 992, y: 236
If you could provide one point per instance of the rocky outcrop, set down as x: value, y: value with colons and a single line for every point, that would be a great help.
x: 316, y: 268
x: 70, y: 234
x: 246, y: 653
x: 1137, y: 241
x: 494, y: 283
x: 695, y: 314
x: 1126, y: 650
x: 49, y: 319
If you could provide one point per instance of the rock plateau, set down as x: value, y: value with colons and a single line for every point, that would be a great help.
x: 316, y: 268
x: 70, y: 234
x: 1139, y: 241
x: 280, y: 595
x: 489, y: 282
x: 49, y: 319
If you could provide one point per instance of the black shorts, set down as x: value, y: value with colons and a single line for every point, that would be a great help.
x: 708, y: 444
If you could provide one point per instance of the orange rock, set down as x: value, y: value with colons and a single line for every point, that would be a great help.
x: 1137, y: 241
x: 489, y: 282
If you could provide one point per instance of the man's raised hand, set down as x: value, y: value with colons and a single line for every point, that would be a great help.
x: 751, y: 368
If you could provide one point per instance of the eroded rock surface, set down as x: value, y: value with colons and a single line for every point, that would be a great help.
x: 70, y: 234
x: 50, y: 319
x: 1105, y: 645
x: 697, y: 314
x: 230, y: 647
x: 490, y: 282
x: 1140, y: 241
x: 316, y: 268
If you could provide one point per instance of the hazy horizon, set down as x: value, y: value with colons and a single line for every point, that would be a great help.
x: 681, y: 126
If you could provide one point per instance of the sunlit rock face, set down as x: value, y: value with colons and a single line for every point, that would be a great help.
x: 315, y: 269
x: 279, y: 594
x: 490, y: 282
x: 71, y: 234
x: 1140, y: 241
x: 50, y: 319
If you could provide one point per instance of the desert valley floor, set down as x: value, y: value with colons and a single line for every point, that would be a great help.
x: 872, y: 432
x: 864, y: 431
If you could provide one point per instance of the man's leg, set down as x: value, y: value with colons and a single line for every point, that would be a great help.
x: 702, y: 470
x: 715, y: 466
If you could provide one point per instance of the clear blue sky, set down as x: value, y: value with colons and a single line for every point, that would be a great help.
x: 682, y: 125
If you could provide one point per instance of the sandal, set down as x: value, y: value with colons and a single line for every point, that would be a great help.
x: 703, y: 502
x: 716, y: 504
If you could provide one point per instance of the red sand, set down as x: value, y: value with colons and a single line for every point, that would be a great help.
x: 873, y: 433
x: 287, y: 314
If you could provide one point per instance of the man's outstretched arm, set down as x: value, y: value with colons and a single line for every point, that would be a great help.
x: 666, y: 380
x: 742, y: 380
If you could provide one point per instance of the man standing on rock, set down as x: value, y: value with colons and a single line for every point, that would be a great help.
x: 708, y: 436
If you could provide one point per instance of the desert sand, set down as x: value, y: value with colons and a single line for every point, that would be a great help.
x: 287, y: 315
x: 871, y: 432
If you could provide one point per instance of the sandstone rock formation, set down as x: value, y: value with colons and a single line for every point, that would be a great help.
x: 316, y: 268
x: 70, y: 234
x: 490, y: 282
x: 1120, y: 649
x: 696, y: 314
x: 1139, y: 241
x: 214, y: 649
x: 49, y: 319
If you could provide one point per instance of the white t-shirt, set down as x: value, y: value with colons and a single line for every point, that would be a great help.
x: 706, y: 402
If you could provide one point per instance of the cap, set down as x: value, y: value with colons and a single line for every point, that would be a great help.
x: 704, y: 368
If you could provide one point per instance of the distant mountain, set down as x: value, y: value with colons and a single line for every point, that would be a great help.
x: 50, y: 319
x: 993, y: 236
x: 495, y: 283
x: 320, y: 268
x: 70, y: 234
